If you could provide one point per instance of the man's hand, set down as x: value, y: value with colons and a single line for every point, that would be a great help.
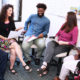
x: 41, y: 35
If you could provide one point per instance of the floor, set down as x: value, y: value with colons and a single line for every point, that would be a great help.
x: 24, y: 75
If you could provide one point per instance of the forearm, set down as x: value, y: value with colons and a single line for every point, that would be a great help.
x: 2, y: 37
x: 63, y: 43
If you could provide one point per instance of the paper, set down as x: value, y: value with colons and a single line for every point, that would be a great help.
x: 14, y: 34
x: 31, y: 38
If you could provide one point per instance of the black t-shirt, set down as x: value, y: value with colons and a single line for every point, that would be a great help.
x: 6, y: 28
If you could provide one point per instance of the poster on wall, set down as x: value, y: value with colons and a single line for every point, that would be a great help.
x: 76, y: 10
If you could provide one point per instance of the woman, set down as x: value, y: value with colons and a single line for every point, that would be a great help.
x: 67, y: 37
x: 6, y: 25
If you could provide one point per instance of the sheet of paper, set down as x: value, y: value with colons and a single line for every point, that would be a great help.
x: 14, y: 34
x: 31, y: 38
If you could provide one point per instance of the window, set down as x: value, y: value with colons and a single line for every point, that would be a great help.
x: 17, y: 4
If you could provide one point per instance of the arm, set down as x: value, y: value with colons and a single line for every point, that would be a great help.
x: 74, y: 38
x: 46, y: 30
x: 18, y: 28
x: 2, y: 37
x: 26, y: 23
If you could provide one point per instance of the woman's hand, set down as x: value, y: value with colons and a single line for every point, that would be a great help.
x: 63, y: 43
x: 18, y: 28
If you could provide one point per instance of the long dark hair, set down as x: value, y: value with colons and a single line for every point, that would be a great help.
x: 70, y: 23
x: 3, y: 13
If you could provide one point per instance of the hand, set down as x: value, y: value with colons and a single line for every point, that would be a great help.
x: 40, y: 36
x: 23, y: 32
x: 60, y: 42
x: 18, y: 28
x: 63, y: 43
x: 5, y: 38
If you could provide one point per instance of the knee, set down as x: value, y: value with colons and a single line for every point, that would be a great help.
x: 49, y: 43
x: 25, y: 46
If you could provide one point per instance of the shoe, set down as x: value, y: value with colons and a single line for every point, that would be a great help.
x: 25, y: 67
x: 28, y: 62
x: 37, y: 61
x: 56, y: 78
x: 13, y: 71
x: 42, y: 72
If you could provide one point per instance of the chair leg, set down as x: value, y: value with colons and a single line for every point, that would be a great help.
x: 59, y: 66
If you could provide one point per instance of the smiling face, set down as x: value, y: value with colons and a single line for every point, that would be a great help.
x: 41, y: 12
x: 9, y: 12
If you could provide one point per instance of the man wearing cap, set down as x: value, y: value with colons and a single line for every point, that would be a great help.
x: 38, y: 28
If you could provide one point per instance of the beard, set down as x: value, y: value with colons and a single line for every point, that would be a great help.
x: 41, y: 15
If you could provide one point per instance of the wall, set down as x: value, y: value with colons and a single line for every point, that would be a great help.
x: 56, y: 12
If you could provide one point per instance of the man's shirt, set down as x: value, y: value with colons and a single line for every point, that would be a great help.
x: 37, y: 25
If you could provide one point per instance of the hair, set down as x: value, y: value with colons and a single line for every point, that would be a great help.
x: 3, y: 13
x: 70, y: 23
x: 41, y: 5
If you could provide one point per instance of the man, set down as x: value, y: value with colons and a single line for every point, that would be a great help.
x: 3, y: 63
x: 38, y: 27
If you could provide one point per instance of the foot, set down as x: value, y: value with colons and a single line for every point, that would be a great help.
x: 56, y: 78
x: 13, y: 71
x: 42, y: 72
x: 27, y: 68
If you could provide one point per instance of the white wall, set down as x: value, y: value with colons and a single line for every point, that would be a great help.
x: 56, y: 12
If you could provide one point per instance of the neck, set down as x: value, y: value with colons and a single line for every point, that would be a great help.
x: 6, y: 20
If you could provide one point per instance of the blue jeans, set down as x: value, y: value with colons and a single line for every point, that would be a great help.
x: 3, y: 63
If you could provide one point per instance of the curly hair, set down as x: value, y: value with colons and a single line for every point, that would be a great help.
x: 3, y: 13
x: 41, y: 5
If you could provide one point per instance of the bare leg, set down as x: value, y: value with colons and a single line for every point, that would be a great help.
x: 12, y: 58
x: 19, y: 53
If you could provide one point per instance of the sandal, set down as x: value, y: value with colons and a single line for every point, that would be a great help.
x: 13, y: 71
x: 42, y: 72
x: 25, y: 67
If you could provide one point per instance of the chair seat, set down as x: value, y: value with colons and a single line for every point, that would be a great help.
x: 33, y: 46
x: 61, y: 55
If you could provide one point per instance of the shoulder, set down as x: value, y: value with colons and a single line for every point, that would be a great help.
x: 47, y: 19
x: 33, y: 15
x: 75, y: 28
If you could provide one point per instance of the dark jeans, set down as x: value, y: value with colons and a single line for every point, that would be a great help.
x: 53, y: 49
x: 3, y: 63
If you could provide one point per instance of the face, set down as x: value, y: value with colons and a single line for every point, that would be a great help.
x: 9, y: 11
x: 41, y: 12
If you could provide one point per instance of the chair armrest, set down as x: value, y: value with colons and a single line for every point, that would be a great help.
x: 53, y: 37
